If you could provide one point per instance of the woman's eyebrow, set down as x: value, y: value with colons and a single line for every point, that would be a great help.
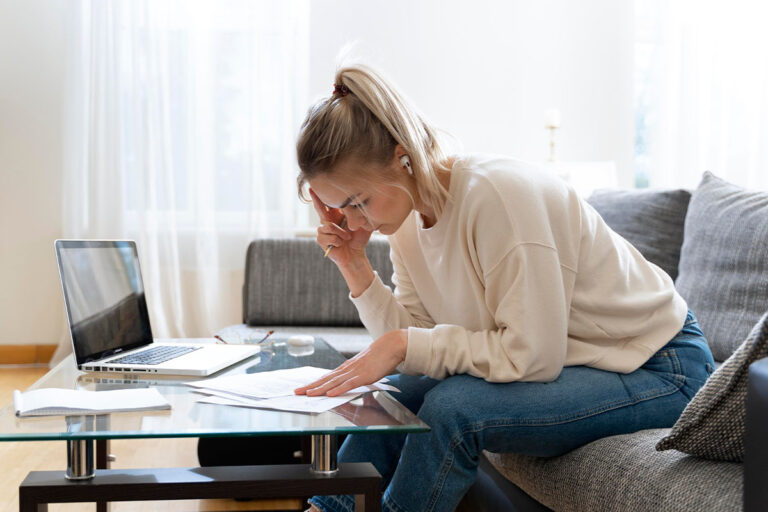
x: 349, y: 200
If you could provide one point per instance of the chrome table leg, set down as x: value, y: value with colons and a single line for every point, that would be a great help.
x: 324, y: 455
x: 80, y: 457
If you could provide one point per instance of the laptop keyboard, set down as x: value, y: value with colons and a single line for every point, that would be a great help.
x: 155, y: 355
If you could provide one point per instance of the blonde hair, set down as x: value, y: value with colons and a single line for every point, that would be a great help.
x: 367, y: 123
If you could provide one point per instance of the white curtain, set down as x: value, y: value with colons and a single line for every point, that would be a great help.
x: 707, y: 90
x: 182, y: 137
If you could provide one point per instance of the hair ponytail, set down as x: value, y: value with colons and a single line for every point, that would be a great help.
x: 366, y: 118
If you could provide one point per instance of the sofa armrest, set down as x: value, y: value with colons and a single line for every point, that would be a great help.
x: 756, y: 438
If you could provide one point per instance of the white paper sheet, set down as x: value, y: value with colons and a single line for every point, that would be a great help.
x: 275, y: 383
x: 55, y: 401
x: 295, y: 403
x: 275, y: 390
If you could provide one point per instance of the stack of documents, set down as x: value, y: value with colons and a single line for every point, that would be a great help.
x: 55, y: 402
x: 274, y: 390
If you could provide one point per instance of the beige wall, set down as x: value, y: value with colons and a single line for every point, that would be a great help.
x: 487, y: 70
x: 33, y: 39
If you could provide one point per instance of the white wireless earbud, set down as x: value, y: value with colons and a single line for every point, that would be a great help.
x: 406, y: 162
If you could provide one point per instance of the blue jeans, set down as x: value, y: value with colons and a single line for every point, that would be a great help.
x: 432, y: 471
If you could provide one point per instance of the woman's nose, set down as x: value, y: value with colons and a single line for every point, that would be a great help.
x: 355, y: 219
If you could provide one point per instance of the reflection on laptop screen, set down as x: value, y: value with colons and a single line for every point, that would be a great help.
x: 104, y: 296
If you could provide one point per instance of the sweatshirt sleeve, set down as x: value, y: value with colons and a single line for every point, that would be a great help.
x: 382, y: 310
x: 526, y: 293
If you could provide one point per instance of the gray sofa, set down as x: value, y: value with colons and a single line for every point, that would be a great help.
x: 716, y: 252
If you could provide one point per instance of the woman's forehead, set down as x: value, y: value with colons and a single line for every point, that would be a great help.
x: 336, y: 191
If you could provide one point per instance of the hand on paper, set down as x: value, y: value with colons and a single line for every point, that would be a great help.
x: 347, y: 245
x: 370, y: 365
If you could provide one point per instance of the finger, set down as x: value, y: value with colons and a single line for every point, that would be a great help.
x: 325, y: 378
x: 319, y: 382
x: 325, y: 212
x: 330, y: 228
x: 319, y: 206
x: 347, y: 385
x: 330, y: 384
x: 332, y: 240
x: 303, y: 389
x: 312, y: 385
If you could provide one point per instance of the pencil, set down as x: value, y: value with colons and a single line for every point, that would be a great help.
x: 342, y: 226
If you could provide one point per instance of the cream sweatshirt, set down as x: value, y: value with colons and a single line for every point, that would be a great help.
x: 518, y: 278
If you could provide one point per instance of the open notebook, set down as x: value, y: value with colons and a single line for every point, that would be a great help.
x: 65, y: 402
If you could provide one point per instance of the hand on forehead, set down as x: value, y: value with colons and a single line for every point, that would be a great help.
x: 335, y: 192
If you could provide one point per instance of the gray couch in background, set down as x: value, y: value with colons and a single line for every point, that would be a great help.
x: 290, y: 288
x: 717, y: 253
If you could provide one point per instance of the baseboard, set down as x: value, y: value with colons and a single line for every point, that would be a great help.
x: 26, y: 354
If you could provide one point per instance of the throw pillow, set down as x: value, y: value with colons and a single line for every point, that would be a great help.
x: 724, y: 261
x: 712, y: 425
x: 651, y: 220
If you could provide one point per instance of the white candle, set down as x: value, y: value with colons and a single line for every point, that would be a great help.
x: 552, y: 118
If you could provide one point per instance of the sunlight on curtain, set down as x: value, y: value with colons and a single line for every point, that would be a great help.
x: 702, y: 91
x: 184, y: 123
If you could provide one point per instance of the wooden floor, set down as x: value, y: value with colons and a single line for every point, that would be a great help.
x: 20, y: 458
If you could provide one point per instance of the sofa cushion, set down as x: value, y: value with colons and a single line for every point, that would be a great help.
x: 651, y: 220
x: 624, y: 473
x: 724, y: 261
x: 712, y: 425
x: 288, y: 282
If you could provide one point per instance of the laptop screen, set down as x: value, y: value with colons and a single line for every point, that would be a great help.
x: 104, y: 297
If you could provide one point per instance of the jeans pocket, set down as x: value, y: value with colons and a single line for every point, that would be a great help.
x: 663, y: 374
x: 664, y: 361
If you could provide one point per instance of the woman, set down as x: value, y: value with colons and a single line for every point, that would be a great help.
x: 519, y: 321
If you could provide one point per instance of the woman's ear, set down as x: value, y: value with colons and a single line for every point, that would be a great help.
x: 406, y: 162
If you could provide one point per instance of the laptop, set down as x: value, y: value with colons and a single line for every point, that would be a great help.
x: 109, y: 322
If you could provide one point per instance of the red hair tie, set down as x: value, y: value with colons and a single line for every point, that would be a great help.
x: 341, y: 90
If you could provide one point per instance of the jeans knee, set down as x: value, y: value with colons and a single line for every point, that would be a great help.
x: 451, y: 433
x: 445, y: 412
x: 412, y: 389
x: 434, y: 410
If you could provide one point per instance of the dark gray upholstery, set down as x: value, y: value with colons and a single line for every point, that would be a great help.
x: 623, y: 474
x: 288, y: 282
x: 724, y: 261
x: 651, y: 220
x: 712, y: 424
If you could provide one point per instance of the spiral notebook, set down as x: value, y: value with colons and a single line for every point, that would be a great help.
x: 67, y: 402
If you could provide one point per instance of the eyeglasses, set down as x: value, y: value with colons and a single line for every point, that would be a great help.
x: 235, y: 338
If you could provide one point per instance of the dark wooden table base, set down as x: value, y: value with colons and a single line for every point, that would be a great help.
x: 283, y: 481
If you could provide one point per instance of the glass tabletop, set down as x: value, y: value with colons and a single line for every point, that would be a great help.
x: 372, y: 412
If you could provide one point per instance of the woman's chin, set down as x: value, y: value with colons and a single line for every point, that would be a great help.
x: 385, y: 229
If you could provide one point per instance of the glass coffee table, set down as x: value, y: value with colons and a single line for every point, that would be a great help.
x: 88, y: 479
